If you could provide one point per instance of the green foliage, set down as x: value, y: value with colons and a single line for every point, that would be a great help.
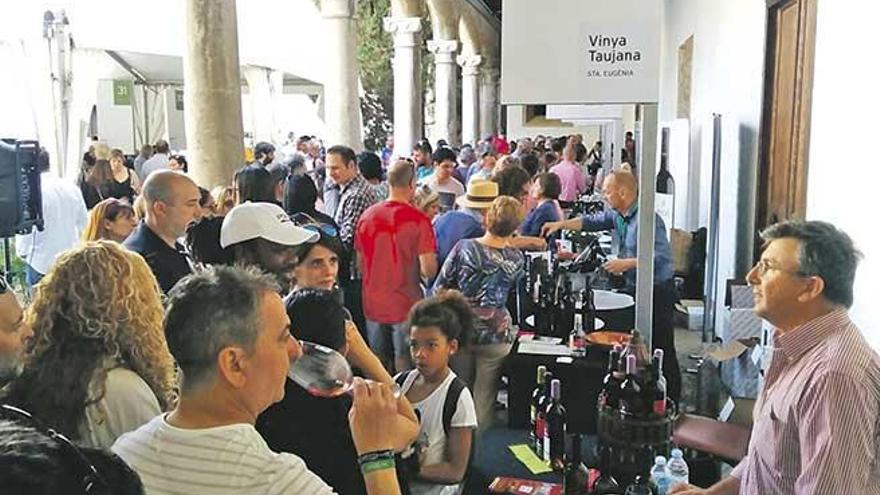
x: 374, y: 51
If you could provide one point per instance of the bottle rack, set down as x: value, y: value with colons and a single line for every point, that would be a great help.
x: 632, y: 442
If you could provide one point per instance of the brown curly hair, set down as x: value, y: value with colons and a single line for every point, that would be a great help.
x: 97, y: 309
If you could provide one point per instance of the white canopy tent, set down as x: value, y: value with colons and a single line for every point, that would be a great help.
x: 124, y: 41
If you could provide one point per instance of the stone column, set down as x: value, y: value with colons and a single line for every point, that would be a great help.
x: 407, y: 87
x: 262, y: 108
x: 342, y: 106
x: 489, y: 100
x: 470, y: 98
x: 445, y: 89
x: 212, y: 99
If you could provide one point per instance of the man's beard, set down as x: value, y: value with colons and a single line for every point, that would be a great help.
x: 10, y: 368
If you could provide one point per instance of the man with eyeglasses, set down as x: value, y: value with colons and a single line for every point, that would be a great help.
x: 14, y: 333
x: 262, y: 235
x: 396, y: 248
x: 816, y: 427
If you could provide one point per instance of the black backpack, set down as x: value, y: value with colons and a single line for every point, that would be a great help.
x: 450, y: 404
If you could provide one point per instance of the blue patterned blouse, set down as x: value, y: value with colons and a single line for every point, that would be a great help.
x: 485, y: 276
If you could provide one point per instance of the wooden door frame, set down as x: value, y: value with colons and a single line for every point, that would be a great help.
x: 807, y: 47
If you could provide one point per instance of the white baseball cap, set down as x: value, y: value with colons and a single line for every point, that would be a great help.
x: 262, y: 220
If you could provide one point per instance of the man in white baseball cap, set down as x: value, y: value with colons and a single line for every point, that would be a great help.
x: 262, y: 235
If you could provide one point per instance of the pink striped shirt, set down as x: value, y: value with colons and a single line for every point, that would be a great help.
x: 816, y: 421
x: 572, y: 178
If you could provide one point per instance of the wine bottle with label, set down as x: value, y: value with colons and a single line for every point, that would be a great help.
x: 658, y: 384
x: 577, y: 339
x: 540, y: 415
x: 533, y: 404
x: 554, y: 428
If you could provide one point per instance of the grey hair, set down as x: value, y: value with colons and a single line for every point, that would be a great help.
x: 825, y: 252
x: 210, y: 310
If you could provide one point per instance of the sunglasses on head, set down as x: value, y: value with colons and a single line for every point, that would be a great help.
x: 91, y: 479
x: 324, y: 228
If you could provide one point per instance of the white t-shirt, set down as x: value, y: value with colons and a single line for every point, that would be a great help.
x: 232, y: 459
x: 431, y: 429
x: 128, y: 403
x: 451, y: 186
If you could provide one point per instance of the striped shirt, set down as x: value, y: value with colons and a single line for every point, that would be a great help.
x: 230, y: 459
x: 816, y: 421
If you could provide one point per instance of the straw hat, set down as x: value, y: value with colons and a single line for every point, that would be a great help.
x: 480, y: 194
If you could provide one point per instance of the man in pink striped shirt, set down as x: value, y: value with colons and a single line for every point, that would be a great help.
x: 816, y: 420
x: 570, y: 174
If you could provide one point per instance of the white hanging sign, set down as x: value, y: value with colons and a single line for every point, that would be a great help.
x: 580, y: 52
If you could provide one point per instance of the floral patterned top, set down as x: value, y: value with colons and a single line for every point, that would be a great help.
x: 485, y: 275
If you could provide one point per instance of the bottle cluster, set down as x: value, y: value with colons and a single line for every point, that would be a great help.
x: 559, y: 310
x: 634, y: 385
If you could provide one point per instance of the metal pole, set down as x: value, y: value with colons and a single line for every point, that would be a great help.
x: 711, y: 287
x: 646, y: 169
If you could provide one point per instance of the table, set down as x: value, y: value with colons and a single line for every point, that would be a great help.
x: 492, y: 458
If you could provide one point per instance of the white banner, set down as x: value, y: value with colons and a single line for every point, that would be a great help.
x: 580, y: 51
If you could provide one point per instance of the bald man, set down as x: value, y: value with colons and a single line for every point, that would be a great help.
x: 621, y: 194
x: 172, y: 204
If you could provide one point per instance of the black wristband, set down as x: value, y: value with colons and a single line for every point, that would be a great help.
x: 378, y: 455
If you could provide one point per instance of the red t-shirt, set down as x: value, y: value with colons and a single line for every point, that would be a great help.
x: 390, y: 237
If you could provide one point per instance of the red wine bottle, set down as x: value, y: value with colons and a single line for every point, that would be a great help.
x: 588, y: 309
x: 576, y: 474
x: 554, y: 428
x: 540, y: 417
x: 606, y: 484
x: 631, y: 400
x: 658, y: 385
x: 610, y: 394
x: 533, y: 404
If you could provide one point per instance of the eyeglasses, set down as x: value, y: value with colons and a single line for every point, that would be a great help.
x: 763, y: 266
x: 92, y: 481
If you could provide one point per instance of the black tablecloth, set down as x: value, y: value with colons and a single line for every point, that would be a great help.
x: 493, y: 459
x: 581, y: 380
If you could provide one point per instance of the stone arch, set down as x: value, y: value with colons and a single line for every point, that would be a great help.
x: 444, y: 16
x: 406, y: 8
x: 468, y: 31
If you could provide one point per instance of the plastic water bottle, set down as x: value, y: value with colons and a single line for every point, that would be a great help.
x: 677, y: 468
x: 659, y: 476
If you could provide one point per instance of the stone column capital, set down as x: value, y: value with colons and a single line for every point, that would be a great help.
x: 337, y: 9
x: 443, y: 46
x: 443, y: 50
x: 403, y: 30
x: 470, y: 64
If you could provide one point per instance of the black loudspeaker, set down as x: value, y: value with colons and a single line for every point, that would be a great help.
x: 21, y: 202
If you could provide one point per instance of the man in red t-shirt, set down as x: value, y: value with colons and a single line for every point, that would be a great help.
x: 396, y: 248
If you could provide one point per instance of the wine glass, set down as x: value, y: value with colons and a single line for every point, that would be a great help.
x: 323, y: 372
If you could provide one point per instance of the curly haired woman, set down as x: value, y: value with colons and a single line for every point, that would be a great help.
x: 98, y: 365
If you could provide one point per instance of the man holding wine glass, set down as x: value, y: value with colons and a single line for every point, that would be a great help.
x: 228, y: 330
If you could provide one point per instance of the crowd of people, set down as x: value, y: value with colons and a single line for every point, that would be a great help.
x: 165, y: 316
